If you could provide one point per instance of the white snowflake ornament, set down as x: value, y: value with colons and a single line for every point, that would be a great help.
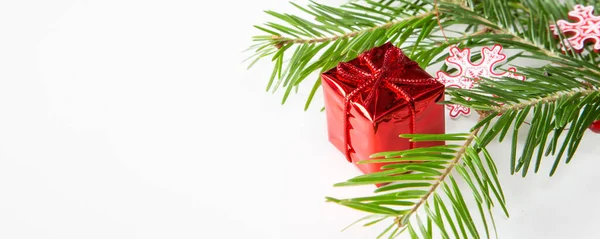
x: 586, y: 29
x: 468, y: 71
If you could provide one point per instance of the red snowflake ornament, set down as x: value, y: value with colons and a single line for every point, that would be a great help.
x: 586, y: 29
x: 461, y: 59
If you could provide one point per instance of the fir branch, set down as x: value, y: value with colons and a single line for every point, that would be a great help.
x: 418, y: 165
x: 533, y: 35
x: 445, y: 174
x: 544, y: 100
x: 562, y: 95
x: 567, y: 98
x: 572, y: 84
x: 317, y: 48
x: 284, y: 40
x: 403, y: 220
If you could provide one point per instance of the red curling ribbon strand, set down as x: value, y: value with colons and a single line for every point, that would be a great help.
x: 385, y: 75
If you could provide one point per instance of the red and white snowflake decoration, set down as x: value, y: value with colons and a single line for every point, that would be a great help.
x: 586, y: 29
x: 468, y: 71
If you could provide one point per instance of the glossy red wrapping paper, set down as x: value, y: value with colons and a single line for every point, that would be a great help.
x: 377, y: 116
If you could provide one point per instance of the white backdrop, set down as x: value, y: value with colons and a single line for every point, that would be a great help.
x: 136, y: 119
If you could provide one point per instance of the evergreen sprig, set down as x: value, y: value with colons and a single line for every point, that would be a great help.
x: 422, y: 195
x: 336, y: 34
x: 563, y: 100
x: 416, y: 176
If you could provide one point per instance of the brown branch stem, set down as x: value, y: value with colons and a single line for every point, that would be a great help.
x: 447, y: 171
x: 524, y: 41
x: 550, y: 98
x: 473, y: 134
x: 284, y: 40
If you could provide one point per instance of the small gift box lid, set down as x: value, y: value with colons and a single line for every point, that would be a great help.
x: 382, y: 81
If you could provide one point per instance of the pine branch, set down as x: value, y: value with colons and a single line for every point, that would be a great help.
x: 403, y: 219
x: 446, y: 172
x: 316, y: 47
x: 562, y: 98
x: 547, y: 96
x: 431, y: 168
x: 284, y: 41
x: 573, y: 74
x: 532, y: 35
x: 548, y: 99
x: 406, y: 158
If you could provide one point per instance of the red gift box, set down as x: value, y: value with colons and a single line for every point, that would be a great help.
x: 371, y: 100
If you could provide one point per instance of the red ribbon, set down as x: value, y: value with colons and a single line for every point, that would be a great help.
x: 386, y: 74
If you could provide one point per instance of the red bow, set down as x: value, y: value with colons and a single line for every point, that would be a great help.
x: 381, y: 74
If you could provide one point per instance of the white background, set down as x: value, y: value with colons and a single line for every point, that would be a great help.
x: 136, y: 119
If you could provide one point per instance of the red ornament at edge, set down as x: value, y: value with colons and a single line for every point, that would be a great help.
x: 595, y: 127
